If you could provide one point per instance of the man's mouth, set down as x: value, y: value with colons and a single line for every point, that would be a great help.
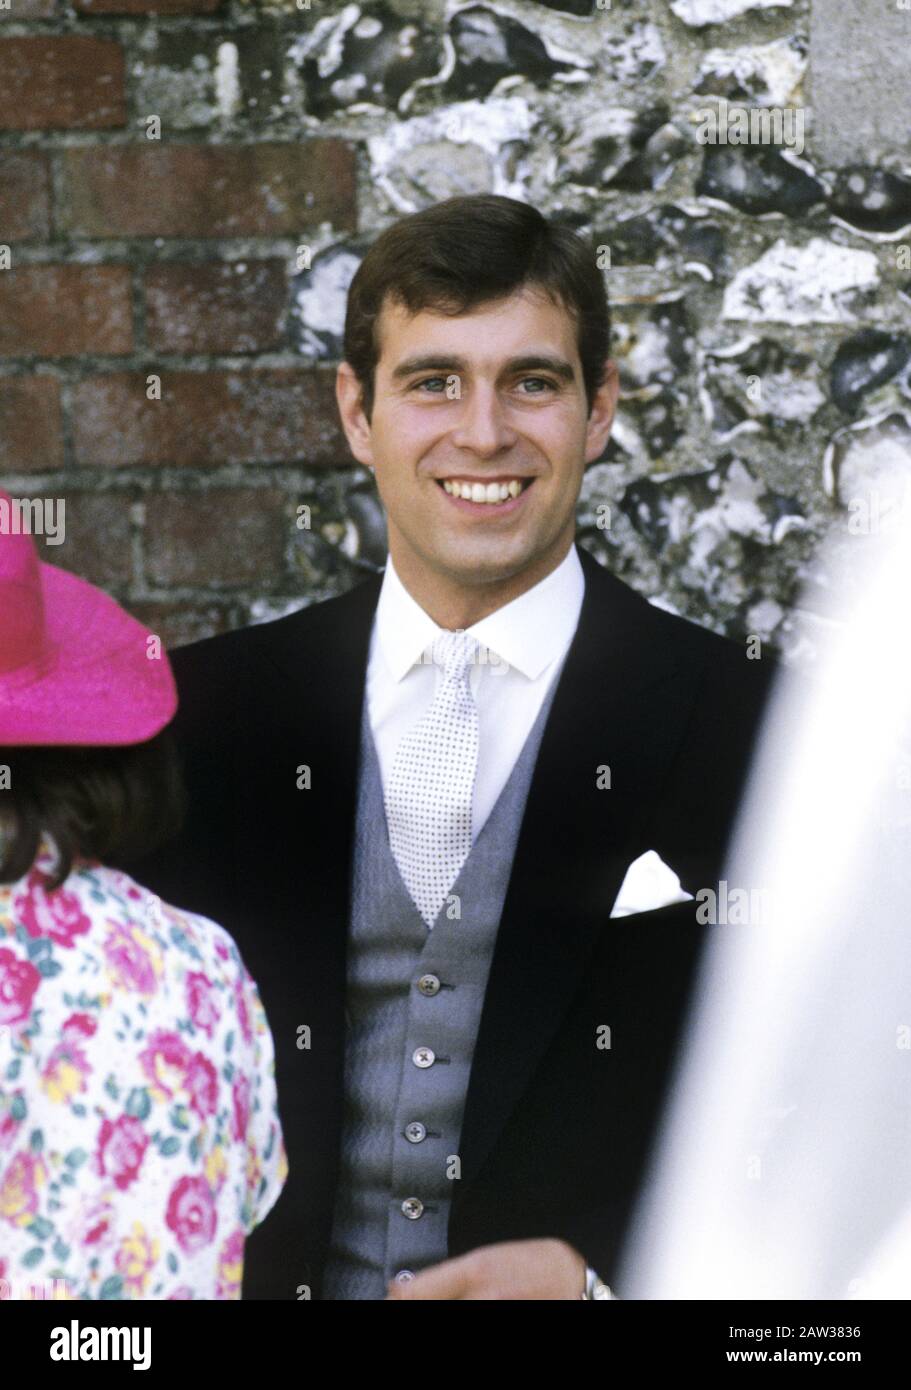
x: 496, y: 493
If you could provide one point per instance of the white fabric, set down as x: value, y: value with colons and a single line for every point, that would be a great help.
x: 428, y: 797
x: 648, y: 884
x: 522, y: 649
x: 784, y: 1170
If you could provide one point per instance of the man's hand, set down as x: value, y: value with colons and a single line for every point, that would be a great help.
x: 513, y: 1269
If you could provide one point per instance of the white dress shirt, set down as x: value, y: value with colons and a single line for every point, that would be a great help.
x: 523, y: 646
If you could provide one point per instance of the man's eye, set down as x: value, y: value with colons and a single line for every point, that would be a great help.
x: 437, y: 384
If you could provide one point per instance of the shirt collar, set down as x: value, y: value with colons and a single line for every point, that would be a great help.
x: 528, y: 633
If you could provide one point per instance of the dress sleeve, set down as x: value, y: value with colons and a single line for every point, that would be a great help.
x: 266, y: 1158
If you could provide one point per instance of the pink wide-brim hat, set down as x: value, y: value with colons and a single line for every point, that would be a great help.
x: 75, y: 667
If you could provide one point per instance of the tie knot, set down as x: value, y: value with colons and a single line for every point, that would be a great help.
x: 454, y: 652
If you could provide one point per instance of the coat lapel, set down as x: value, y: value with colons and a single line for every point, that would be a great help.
x: 621, y: 702
x: 312, y: 711
x: 311, y: 676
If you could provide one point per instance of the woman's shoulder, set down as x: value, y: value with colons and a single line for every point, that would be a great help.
x: 191, y: 933
x: 141, y: 940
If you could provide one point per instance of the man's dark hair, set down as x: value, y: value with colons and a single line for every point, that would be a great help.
x: 98, y: 803
x: 468, y: 251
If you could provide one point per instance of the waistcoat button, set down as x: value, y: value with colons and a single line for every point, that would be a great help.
x: 415, y: 1132
x: 429, y: 985
x: 423, y: 1057
x: 412, y: 1208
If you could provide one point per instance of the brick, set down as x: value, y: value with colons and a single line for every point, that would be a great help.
x: 31, y: 439
x: 230, y: 307
x: 178, y: 623
x: 25, y: 196
x: 97, y: 538
x: 222, y: 537
x: 153, y: 189
x: 154, y: 7
x: 33, y: 9
x: 65, y: 310
x: 66, y: 83
x: 208, y: 418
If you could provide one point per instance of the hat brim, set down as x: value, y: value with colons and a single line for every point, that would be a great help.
x: 105, y: 683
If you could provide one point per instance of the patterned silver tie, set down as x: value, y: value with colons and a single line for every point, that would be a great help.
x: 428, y: 797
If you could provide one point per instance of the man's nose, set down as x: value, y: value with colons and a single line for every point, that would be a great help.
x: 483, y: 426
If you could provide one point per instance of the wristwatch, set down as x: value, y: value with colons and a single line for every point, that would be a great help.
x: 595, y: 1287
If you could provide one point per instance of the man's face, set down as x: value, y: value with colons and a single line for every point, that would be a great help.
x: 494, y: 400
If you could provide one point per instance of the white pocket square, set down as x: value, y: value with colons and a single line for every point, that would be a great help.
x: 648, y: 884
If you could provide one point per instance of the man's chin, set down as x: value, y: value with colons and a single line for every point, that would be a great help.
x: 476, y: 565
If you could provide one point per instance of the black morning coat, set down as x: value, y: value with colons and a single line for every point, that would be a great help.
x: 558, y: 1126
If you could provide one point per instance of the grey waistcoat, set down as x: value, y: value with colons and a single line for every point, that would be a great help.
x: 414, y: 1002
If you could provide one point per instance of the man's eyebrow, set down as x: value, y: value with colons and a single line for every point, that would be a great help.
x: 530, y: 362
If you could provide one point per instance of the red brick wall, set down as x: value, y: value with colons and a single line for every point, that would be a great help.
x: 131, y: 259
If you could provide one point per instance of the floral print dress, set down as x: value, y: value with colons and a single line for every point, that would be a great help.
x: 140, y: 1140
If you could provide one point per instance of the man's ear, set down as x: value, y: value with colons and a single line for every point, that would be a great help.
x: 350, y: 407
x: 603, y: 409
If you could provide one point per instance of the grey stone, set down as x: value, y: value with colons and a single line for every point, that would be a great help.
x: 663, y: 236
x: 820, y: 282
x: 656, y: 413
x: 469, y: 147
x: 701, y: 509
x: 719, y: 533
x: 865, y: 362
x: 319, y: 297
x: 871, y: 461
x: 757, y: 386
x: 359, y: 56
x: 592, y: 151
x: 764, y: 74
x: 655, y: 161
x: 653, y: 344
x: 579, y: 7
x: 490, y: 46
x: 859, y: 81
x: 872, y: 199
x: 700, y: 13
x: 757, y: 180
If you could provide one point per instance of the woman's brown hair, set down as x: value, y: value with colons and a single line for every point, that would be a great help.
x: 98, y: 803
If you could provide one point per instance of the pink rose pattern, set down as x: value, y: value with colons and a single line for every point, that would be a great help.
x: 18, y: 982
x: 128, y: 960
x: 140, y: 1140
x: 121, y: 1147
x: 191, y: 1214
x: 58, y: 915
x: 201, y: 1003
x: 240, y: 1095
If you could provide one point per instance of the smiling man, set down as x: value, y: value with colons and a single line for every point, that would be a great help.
x: 414, y: 806
x: 480, y: 428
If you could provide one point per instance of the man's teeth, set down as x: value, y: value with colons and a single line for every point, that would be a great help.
x: 483, y: 492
